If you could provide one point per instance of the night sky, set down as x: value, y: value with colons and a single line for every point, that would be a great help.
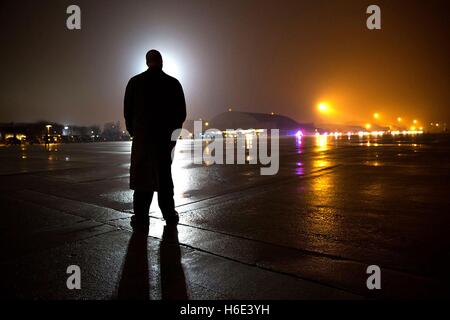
x: 259, y: 56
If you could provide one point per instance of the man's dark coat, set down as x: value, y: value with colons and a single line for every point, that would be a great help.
x: 154, y: 106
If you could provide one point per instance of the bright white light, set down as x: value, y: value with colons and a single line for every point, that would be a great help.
x: 171, y: 67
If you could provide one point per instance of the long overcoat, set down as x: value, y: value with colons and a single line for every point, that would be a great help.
x: 154, y: 106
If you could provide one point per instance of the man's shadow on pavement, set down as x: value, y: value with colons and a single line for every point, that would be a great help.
x: 173, y: 281
x: 135, y: 282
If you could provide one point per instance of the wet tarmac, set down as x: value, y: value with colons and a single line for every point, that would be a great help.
x: 336, y: 206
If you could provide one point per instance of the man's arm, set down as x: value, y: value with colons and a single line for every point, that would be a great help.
x: 128, y: 108
x: 180, y: 106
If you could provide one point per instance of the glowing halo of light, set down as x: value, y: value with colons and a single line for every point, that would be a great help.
x: 171, y: 67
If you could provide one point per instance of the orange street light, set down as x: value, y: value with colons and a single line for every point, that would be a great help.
x: 323, y: 107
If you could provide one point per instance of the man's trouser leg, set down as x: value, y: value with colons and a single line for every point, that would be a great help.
x: 166, y: 202
x: 141, y: 205
x: 165, y: 190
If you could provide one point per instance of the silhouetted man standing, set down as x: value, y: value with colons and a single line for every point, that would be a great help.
x: 154, y: 107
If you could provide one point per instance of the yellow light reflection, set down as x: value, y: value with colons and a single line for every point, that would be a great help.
x: 321, y: 142
x: 323, y: 221
x: 319, y: 163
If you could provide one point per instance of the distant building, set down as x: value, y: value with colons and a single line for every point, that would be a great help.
x: 112, y: 132
x: 40, y: 132
x: 250, y: 120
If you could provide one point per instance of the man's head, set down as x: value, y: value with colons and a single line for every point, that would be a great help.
x: 154, y: 59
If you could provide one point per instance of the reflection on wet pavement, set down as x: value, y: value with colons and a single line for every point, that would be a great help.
x: 363, y: 200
